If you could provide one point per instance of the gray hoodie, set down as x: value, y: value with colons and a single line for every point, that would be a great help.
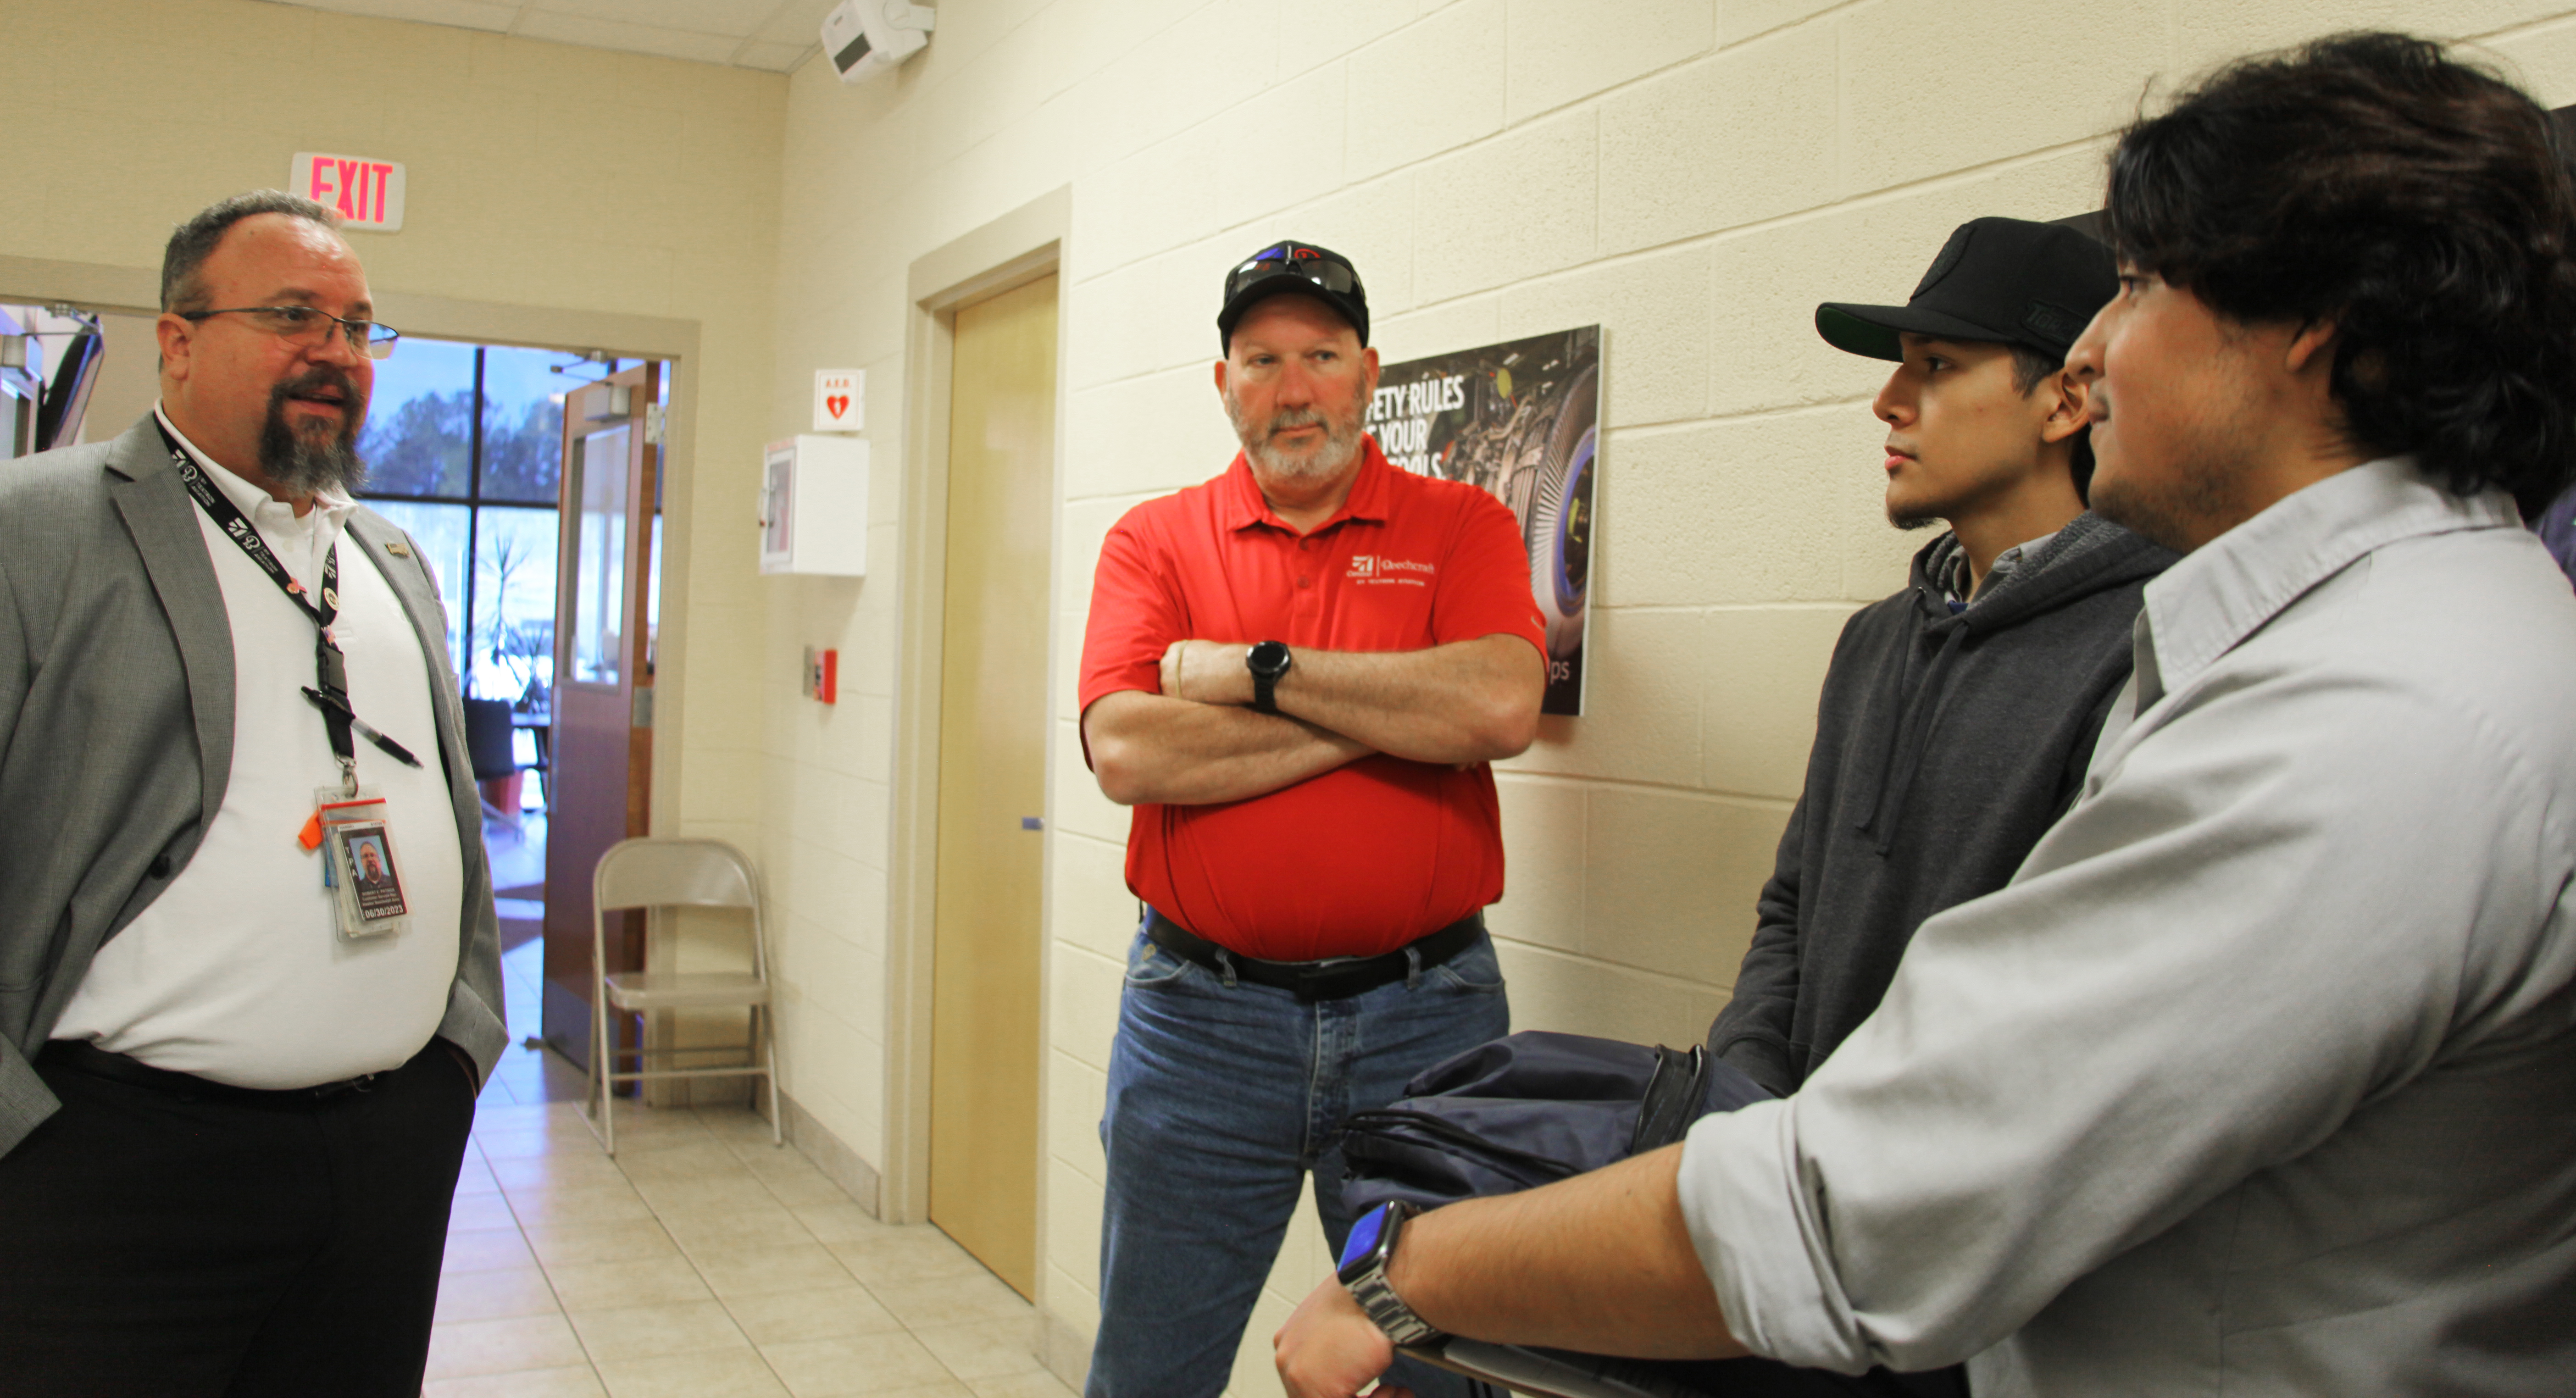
x: 1946, y: 744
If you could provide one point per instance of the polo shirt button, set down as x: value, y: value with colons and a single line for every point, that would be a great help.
x: 160, y: 866
x: 1301, y: 582
x: 1307, y: 543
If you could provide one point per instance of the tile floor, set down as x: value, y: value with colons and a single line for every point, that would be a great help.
x: 703, y: 1262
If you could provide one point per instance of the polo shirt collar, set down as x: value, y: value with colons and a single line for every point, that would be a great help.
x: 2225, y: 590
x: 1245, y: 506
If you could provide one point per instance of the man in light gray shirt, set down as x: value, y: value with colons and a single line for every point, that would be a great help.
x: 2260, y: 1076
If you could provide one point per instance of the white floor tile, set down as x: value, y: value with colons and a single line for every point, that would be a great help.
x: 700, y: 1262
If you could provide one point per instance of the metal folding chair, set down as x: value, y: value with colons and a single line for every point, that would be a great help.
x: 651, y: 873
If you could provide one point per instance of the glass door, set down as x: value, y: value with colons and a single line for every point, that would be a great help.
x: 603, y: 685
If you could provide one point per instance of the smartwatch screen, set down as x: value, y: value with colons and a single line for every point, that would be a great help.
x: 1364, y: 1235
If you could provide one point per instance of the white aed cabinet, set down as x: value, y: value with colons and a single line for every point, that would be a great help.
x: 814, y: 506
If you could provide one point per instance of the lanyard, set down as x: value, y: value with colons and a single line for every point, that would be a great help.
x: 330, y: 689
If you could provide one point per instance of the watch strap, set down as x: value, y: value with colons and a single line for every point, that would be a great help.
x: 1265, y: 679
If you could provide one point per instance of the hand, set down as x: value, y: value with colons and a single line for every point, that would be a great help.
x: 1206, y: 672
x: 1329, y: 1347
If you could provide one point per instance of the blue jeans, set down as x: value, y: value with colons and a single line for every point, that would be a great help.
x: 1222, y: 1099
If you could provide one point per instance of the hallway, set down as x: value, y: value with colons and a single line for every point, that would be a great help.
x: 702, y: 1262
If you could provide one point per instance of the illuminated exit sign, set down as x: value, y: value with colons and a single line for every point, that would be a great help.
x: 367, y: 193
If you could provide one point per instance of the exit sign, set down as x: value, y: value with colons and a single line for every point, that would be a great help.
x: 368, y: 194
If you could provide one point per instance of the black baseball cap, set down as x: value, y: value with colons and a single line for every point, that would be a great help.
x: 1321, y: 273
x: 2002, y: 280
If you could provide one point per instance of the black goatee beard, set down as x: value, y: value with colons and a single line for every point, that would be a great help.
x: 312, y: 464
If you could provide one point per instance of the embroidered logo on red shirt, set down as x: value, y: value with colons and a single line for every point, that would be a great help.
x: 1374, y: 568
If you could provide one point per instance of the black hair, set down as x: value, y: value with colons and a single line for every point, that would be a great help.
x: 2030, y: 366
x: 191, y: 243
x: 2421, y: 205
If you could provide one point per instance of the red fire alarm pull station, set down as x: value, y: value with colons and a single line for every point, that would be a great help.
x: 822, y: 675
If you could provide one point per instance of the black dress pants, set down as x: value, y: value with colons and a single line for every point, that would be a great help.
x: 179, y: 1239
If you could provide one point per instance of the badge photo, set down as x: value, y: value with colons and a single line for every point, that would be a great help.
x: 369, y: 879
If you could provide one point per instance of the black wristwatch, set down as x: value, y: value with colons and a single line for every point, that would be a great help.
x: 1267, y: 662
x: 1363, y: 1271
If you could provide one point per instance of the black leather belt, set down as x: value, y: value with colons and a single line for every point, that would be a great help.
x: 82, y: 1056
x: 1317, y: 980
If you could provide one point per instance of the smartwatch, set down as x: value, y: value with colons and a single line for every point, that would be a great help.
x: 1267, y: 662
x: 1363, y: 1270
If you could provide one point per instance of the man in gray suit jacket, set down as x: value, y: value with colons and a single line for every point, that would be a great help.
x: 234, y: 1094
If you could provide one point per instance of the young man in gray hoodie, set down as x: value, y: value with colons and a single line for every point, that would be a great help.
x: 1959, y: 714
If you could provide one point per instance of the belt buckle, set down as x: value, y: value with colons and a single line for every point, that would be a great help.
x: 1315, y: 980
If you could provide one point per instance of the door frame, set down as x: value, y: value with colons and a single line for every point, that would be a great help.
x: 1013, y: 250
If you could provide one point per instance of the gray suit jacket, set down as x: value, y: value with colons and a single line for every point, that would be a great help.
x: 116, y: 734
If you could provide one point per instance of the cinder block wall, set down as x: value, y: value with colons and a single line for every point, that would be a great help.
x: 1692, y: 174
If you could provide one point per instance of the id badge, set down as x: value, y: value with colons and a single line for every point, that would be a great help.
x: 361, y: 866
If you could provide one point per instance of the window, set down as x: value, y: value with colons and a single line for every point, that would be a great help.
x: 464, y: 447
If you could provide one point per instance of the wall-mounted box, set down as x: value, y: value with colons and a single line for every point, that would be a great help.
x: 814, y: 506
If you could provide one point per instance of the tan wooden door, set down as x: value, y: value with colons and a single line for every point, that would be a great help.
x: 992, y: 782
x: 599, y: 788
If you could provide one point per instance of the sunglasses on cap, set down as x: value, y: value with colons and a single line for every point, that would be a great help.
x: 1330, y: 275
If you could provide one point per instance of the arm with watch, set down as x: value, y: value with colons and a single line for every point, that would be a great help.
x: 1466, y: 701
x: 1236, y: 721
x: 1602, y: 1263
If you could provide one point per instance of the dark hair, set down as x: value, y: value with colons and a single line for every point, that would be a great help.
x: 2031, y: 365
x: 191, y: 243
x: 2422, y: 205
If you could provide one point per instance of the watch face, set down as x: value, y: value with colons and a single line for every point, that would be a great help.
x: 1364, y: 1235
x: 1269, y: 658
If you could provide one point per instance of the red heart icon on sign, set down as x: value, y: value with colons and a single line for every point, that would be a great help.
x: 838, y: 405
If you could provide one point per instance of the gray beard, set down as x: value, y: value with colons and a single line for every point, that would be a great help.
x: 1326, y: 458
x: 306, y: 465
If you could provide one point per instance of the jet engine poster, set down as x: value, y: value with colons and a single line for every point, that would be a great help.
x: 1520, y: 419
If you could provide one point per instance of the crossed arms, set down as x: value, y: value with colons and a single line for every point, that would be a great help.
x: 1199, y: 741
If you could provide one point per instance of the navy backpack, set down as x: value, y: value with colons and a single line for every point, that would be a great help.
x: 1526, y: 1110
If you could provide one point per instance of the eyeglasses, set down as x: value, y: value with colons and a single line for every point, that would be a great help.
x: 1330, y: 275
x: 303, y: 325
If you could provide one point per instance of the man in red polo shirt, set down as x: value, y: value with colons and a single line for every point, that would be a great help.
x: 1296, y: 674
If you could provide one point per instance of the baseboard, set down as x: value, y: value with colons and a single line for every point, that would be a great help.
x: 1065, y: 1351
x: 831, y: 1155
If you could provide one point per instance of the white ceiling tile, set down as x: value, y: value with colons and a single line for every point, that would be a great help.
x: 771, y: 35
x: 627, y: 38
x: 797, y: 22
x: 776, y: 58
x: 736, y: 18
x: 488, y: 15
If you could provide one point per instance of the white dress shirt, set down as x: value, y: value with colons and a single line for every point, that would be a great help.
x: 237, y: 972
x: 2260, y: 1076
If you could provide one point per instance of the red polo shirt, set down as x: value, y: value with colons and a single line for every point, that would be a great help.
x: 1373, y: 854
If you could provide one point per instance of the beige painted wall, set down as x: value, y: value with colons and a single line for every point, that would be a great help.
x: 555, y: 194
x: 1693, y: 174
